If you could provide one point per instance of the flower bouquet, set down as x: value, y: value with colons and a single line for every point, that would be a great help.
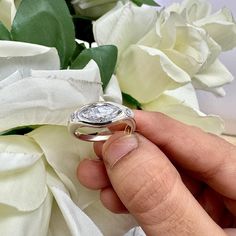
x: 56, y: 56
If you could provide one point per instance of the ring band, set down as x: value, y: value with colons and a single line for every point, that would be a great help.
x: 92, y: 121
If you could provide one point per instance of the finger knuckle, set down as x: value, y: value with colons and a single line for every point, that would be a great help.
x: 156, y: 188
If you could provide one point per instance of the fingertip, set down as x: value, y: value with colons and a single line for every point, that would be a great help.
x: 98, y: 148
x: 92, y: 174
x: 111, y: 201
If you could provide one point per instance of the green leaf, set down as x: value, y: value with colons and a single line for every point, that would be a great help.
x: 104, y: 56
x: 46, y: 22
x: 146, y: 2
x: 19, y: 130
x: 78, y: 49
x: 151, y: 3
x: 138, y: 2
x: 4, y: 33
x: 130, y: 101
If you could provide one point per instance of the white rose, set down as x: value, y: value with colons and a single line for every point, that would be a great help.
x: 93, y: 8
x: 40, y: 194
x: 221, y: 29
x: 124, y: 27
x: 159, y: 53
x: 39, y: 191
x: 220, y: 25
x: 47, y: 94
x: 182, y: 104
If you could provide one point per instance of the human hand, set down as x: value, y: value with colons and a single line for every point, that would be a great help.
x: 173, y: 178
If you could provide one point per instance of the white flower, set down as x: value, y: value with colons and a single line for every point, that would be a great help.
x: 93, y: 8
x: 7, y: 12
x: 190, y: 48
x: 220, y: 25
x: 28, y: 187
x: 46, y: 96
x: 159, y: 52
x: 221, y: 28
x: 39, y: 192
x: 124, y: 26
x: 24, y: 57
x: 145, y: 73
x: 182, y: 104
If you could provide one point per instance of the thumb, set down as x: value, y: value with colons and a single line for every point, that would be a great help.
x: 151, y: 188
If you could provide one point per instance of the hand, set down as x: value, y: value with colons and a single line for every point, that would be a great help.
x: 173, y: 178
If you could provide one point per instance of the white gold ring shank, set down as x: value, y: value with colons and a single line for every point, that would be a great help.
x: 94, y: 122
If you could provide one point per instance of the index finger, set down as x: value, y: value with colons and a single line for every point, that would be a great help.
x: 209, y: 157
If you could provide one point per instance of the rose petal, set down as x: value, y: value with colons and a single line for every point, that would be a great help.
x: 137, y: 231
x: 192, y: 49
x: 64, y: 152
x: 224, y: 107
x: 77, y: 222
x: 187, y: 46
x: 221, y: 27
x: 17, y: 153
x: 213, y: 53
x: 214, y: 76
x: 14, y: 222
x: 112, y: 92
x: 163, y: 33
x: 146, y: 83
x: 93, y: 8
x: 177, y: 109
x: 47, y: 100
x: 128, y: 22
x: 18, y: 188
x: 195, y: 9
x: 90, y: 73
x: 118, y: 224
x: 24, y: 57
x: 16, y: 161
x: 186, y: 95
x: 7, y: 12
x: 53, y: 180
x: 57, y: 225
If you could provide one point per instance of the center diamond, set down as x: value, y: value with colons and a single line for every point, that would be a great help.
x: 100, y: 113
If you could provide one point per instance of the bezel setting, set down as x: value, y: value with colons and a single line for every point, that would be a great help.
x: 99, y: 113
x: 99, y: 116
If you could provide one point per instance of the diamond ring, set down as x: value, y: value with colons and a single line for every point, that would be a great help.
x: 94, y: 122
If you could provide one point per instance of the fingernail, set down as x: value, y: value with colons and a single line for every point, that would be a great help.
x: 117, y: 149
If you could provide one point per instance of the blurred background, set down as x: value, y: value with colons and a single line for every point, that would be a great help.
x: 210, y: 104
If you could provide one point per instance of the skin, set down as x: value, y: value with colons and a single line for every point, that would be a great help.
x: 175, y: 179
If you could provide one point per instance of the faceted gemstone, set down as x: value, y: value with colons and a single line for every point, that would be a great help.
x: 100, y: 113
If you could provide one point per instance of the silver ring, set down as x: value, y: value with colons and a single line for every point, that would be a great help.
x: 92, y: 122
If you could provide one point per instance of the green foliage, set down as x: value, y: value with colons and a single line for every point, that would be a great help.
x: 130, y: 101
x: 104, y: 56
x: 4, y: 33
x: 19, y: 130
x: 46, y: 23
x: 78, y: 49
x: 146, y: 2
